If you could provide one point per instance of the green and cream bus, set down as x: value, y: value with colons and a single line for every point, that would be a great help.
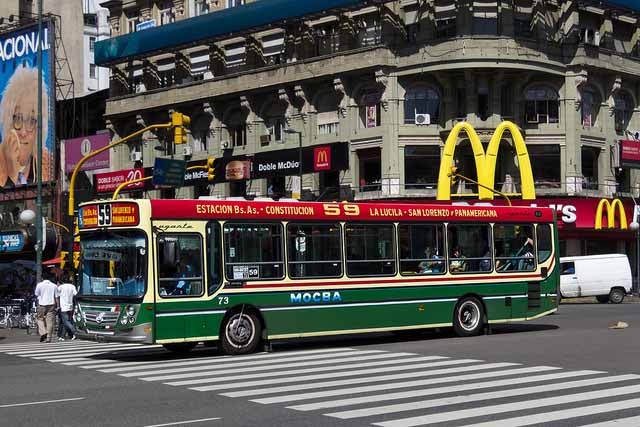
x: 242, y: 273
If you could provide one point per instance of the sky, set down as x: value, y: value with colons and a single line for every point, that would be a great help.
x: 633, y: 4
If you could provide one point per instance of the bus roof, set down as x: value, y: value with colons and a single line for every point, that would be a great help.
x: 275, y: 210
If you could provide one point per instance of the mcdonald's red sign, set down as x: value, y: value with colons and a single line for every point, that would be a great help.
x: 322, y: 158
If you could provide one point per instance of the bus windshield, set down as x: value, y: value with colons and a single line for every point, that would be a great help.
x: 113, y: 264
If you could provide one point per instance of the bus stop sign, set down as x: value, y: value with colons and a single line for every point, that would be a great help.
x: 169, y: 172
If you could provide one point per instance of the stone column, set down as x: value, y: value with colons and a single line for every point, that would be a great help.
x: 571, y: 170
x: 254, y: 57
x: 217, y: 60
x: 118, y: 84
x: 182, y: 67
x: 150, y: 76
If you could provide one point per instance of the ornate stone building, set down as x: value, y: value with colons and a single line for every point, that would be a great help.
x: 385, y: 83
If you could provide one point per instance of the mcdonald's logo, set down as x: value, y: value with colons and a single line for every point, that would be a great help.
x: 486, y: 162
x: 611, y: 214
x: 322, y: 158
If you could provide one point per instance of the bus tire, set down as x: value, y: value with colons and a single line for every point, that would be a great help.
x: 241, y: 333
x: 180, y: 347
x: 468, y: 317
x: 602, y: 299
x: 616, y: 296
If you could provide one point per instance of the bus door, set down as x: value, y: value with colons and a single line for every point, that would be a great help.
x: 181, y: 291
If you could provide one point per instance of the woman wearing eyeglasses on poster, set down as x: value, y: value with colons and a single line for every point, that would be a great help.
x: 18, y: 109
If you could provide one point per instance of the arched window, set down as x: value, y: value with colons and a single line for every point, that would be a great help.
x: 274, y: 122
x: 200, y: 133
x: 421, y: 100
x: 541, y: 105
x: 623, y: 108
x: 369, y: 109
x: 590, y: 106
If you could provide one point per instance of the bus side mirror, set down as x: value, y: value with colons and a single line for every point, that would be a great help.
x: 545, y: 272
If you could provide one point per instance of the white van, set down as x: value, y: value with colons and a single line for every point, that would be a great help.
x: 606, y: 277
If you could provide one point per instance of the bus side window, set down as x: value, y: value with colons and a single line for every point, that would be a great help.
x: 469, y: 247
x: 253, y: 251
x: 370, y: 249
x: 514, y: 247
x: 543, y: 234
x: 314, y: 250
x: 421, y: 249
x: 214, y: 253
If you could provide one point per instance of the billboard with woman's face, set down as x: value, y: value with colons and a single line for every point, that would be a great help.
x: 19, y: 107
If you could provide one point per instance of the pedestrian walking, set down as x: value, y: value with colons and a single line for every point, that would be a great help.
x: 67, y: 291
x: 47, y: 294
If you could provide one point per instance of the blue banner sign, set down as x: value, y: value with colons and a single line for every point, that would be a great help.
x: 169, y: 172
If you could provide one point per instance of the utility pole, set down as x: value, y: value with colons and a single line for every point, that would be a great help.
x: 39, y: 222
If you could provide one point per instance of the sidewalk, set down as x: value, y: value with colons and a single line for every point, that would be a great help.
x: 17, y: 335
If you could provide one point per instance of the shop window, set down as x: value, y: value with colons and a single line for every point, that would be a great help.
x: 421, y: 166
x: 590, y: 167
x: 421, y: 249
x: 590, y: 107
x: 370, y: 165
x: 276, y: 187
x: 253, y: 251
x: 327, y: 39
x: 545, y: 164
x: 623, y: 110
x: 445, y: 28
x: 469, y: 248
x: 180, y: 265
x: 542, y: 105
x: 483, y: 104
x: 506, y: 102
x: 514, y: 248
x: 461, y: 103
x: 238, y: 188
x: 544, y: 235
x: 370, y: 249
x: 275, y: 128
x: 369, y: 114
x: 314, y: 250
x: 421, y: 100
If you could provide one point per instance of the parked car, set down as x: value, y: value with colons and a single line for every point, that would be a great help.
x: 606, y: 277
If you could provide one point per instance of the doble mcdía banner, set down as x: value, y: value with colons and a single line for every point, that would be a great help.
x: 19, y: 106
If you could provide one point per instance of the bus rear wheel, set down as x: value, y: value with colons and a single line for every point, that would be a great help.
x: 180, y: 347
x: 468, y: 317
x: 241, y: 333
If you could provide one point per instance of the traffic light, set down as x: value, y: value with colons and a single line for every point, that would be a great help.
x: 64, y: 259
x: 453, y: 174
x: 211, y: 168
x: 179, y: 122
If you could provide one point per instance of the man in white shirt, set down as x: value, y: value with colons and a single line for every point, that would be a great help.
x: 67, y: 291
x: 47, y: 294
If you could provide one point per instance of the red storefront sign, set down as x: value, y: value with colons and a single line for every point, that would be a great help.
x: 108, y: 182
x: 630, y: 153
x: 322, y: 158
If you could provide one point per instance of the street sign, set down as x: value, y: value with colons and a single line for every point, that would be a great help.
x: 146, y: 24
x: 169, y: 172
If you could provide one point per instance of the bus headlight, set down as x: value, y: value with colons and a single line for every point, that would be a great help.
x: 131, y: 310
x: 124, y: 320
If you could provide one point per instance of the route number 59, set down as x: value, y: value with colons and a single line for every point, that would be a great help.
x: 334, y: 209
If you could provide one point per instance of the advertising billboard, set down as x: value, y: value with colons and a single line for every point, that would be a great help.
x: 75, y: 149
x: 18, y: 106
x: 630, y: 154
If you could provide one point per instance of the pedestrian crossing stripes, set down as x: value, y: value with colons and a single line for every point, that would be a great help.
x: 371, y: 386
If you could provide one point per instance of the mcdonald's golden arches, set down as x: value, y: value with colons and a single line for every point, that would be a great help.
x: 486, y: 162
x: 611, y: 214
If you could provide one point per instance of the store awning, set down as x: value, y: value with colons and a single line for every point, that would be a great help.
x: 53, y: 261
x: 210, y: 27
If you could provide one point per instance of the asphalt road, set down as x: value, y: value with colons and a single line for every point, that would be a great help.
x: 568, y: 369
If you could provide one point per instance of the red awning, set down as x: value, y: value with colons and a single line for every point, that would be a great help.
x: 53, y: 261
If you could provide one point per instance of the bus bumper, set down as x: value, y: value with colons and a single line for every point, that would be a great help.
x: 137, y: 334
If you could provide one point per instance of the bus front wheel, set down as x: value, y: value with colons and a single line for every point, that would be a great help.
x: 468, y: 317
x: 241, y: 333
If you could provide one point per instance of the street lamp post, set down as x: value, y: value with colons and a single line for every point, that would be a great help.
x: 289, y: 130
x: 39, y: 231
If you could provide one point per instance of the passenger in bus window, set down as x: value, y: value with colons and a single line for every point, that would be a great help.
x: 485, y: 264
x: 185, y: 269
x: 431, y: 263
x: 457, y: 264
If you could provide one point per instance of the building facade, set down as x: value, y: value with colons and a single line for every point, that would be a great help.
x: 382, y: 86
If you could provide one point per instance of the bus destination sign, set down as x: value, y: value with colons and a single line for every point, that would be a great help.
x: 108, y: 214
